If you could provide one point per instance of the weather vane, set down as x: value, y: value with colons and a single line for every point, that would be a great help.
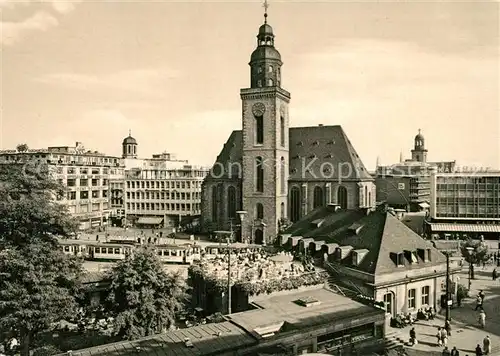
x: 265, y: 6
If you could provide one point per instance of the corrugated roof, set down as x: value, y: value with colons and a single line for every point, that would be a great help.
x: 381, y: 233
x: 209, y: 339
x: 313, y: 147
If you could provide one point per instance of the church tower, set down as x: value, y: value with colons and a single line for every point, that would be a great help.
x: 265, y: 141
x: 419, y: 153
x: 129, y: 147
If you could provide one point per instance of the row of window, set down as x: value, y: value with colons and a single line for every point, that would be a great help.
x: 161, y: 207
x: 158, y: 174
x: 467, y: 194
x: 319, y: 199
x: 163, y: 184
x: 163, y: 195
x: 84, y: 194
x: 451, y: 181
x: 84, y: 182
x: 87, y: 208
x: 411, y: 299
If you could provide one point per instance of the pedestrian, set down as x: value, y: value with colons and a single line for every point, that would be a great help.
x: 482, y: 318
x: 487, y: 345
x: 479, y: 350
x: 494, y: 274
x: 447, y: 327
x: 439, y: 338
x: 479, y: 302
x: 444, y: 337
x: 481, y: 295
x: 454, y: 351
x: 413, y: 337
x: 446, y: 352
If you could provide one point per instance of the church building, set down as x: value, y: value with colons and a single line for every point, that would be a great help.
x: 269, y: 174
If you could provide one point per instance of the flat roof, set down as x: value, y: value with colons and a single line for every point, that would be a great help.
x: 208, y: 339
x: 283, y: 308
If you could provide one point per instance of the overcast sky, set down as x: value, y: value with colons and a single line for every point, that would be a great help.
x: 171, y: 73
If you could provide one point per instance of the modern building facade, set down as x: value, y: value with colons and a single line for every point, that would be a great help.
x: 85, y: 173
x: 406, y: 185
x: 273, y: 173
x: 157, y: 191
x: 465, y: 203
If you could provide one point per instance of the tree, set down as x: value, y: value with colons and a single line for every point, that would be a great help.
x: 38, y: 285
x: 479, y: 252
x: 38, y: 282
x: 144, y: 298
x: 22, y: 147
x: 29, y: 211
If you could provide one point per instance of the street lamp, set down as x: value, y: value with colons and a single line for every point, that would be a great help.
x: 228, y: 277
x: 241, y: 214
x: 448, y: 299
x: 470, y: 250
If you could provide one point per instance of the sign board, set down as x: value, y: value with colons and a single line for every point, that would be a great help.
x: 450, y: 303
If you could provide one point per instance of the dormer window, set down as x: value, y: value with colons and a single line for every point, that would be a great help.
x: 355, y: 258
x: 414, y: 258
x: 400, y: 259
x: 428, y: 255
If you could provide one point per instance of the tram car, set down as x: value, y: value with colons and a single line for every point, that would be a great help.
x: 214, y: 251
x: 180, y: 254
x: 74, y: 247
x: 109, y: 251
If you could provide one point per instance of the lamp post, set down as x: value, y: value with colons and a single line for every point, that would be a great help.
x: 228, y: 277
x: 241, y: 214
x: 448, y: 299
x: 470, y: 250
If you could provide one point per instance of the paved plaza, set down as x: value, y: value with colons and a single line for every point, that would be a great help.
x: 466, y: 333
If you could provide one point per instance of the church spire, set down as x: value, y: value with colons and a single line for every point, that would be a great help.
x: 265, y: 6
x: 401, y: 157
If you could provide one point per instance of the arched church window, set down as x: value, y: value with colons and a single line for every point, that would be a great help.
x: 215, y: 204
x: 259, y: 174
x: 231, y: 202
x: 129, y: 150
x: 270, y: 83
x: 259, y: 211
x: 369, y: 199
x: 282, y: 130
x: 259, y: 130
x: 366, y: 196
x: 283, y: 175
x: 342, y: 197
x: 295, y: 204
x: 318, y: 197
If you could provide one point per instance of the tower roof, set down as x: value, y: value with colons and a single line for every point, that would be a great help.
x: 266, y: 29
x: 419, y: 136
x: 265, y: 52
x: 129, y: 140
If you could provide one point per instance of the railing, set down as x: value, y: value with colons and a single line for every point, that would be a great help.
x: 337, y: 272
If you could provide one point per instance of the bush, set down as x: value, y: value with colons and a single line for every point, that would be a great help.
x: 462, y: 291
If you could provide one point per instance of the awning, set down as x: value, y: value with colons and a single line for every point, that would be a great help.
x: 149, y: 221
x: 424, y: 205
x: 465, y: 228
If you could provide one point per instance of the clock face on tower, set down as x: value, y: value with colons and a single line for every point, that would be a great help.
x: 258, y: 109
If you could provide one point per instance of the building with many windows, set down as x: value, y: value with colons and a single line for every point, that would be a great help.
x: 272, y: 173
x: 406, y: 185
x: 465, y: 203
x: 85, y: 173
x: 157, y: 191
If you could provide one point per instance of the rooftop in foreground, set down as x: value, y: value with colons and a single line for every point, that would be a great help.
x: 299, y: 310
x: 280, y: 313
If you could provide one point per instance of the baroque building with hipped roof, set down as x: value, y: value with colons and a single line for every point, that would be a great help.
x: 269, y: 173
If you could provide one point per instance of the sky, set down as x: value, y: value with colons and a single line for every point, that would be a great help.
x: 171, y: 73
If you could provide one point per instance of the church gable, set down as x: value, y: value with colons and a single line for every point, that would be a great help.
x: 324, y: 152
x: 229, y: 161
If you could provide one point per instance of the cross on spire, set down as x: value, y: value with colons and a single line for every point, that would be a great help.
x: 130, y: 132
x: 265, y: 6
